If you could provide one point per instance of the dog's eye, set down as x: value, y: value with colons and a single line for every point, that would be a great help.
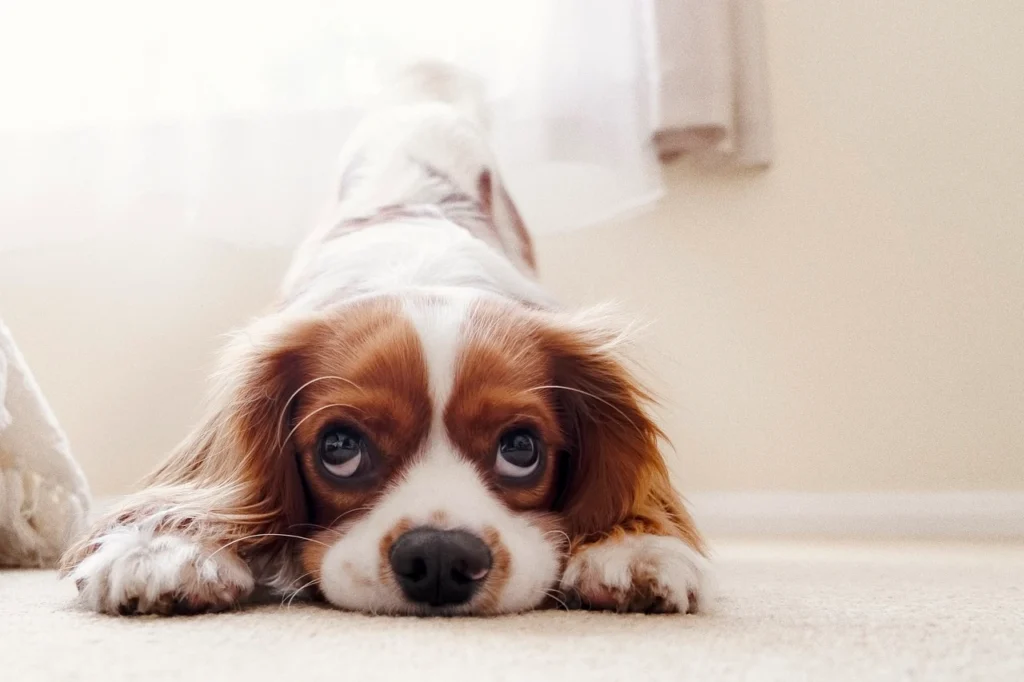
x: 518, y: 454
x: 343, y: 451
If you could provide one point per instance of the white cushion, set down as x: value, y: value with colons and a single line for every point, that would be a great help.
x: 44, y: 498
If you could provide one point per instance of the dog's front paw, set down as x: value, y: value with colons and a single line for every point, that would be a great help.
x: 645, y: 573
x: 136, y: 571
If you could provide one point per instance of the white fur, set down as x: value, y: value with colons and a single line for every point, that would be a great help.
x: 440, y: 329
x: 607, y: 568
x: 414, y: 254
x: 136, y: 564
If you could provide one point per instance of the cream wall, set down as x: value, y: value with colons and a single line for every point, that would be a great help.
x: 851, y: 320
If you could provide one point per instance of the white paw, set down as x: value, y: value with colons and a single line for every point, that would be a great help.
x: 137, y: 571
x: 647, y: 573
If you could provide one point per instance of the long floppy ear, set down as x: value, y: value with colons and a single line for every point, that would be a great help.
x: 232, y: 481
x: 615, y: 479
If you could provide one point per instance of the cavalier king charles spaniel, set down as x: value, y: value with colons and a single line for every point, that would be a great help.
x: 415, y: 427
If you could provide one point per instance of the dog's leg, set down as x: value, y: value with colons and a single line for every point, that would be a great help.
x: 142, y: 568
x: 632, y: 570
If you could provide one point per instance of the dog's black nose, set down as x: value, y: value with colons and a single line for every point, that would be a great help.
x: 439, y: 567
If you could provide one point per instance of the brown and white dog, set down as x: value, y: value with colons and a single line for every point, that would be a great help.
x: 416, y: 427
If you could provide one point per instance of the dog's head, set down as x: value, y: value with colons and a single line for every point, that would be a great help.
x: 438, y: 453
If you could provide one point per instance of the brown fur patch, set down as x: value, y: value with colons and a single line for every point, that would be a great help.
x: 372, y: 377
x: 500, y: 384
x: 501, y: 566
x: 384, y: 547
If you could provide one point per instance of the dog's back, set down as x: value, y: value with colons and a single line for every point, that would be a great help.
x: 419, y: 201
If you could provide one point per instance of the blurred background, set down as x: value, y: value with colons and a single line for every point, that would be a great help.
x: 837, y: 318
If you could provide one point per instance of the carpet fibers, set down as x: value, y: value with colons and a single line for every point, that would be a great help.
x: 786, y: 611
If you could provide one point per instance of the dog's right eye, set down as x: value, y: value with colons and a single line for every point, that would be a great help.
x: 519, y: 454
x: 344, y: 452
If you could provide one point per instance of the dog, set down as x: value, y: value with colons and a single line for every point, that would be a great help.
x: 416, y: 426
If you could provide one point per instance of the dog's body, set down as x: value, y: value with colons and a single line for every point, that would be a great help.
x: 420, y: 172
x: 417, y: 427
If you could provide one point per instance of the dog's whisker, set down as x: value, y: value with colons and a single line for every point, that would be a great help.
x: 265, y: 535
x: 350, y: 511
x: 287, y: 404
x: 295, y: 580
x: 338, y: 518
x: 590, y: 395
x: 317, y: 410
x: 315, y: 581
x: 316, y: 526
x: 557, y: 595
x: 562, y: 533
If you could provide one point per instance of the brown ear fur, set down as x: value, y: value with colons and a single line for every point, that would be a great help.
x: 231, y: 480
x: 617, y: 479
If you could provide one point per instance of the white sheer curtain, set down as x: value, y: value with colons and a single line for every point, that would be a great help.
x: 224, y: 117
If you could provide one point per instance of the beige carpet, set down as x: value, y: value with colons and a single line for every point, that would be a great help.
x: 787, y: 612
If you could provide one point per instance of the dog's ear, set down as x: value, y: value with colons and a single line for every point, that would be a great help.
x: 240, y: 445
x: 614, y: 475
x: 232, y: 480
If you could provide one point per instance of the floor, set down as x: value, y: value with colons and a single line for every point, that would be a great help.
x: 787, y: 611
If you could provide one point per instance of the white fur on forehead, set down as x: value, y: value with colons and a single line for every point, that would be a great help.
x: 440, y: 328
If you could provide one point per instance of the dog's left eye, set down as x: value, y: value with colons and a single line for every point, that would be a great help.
x: 519, y: 454
x: 343, y: 451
